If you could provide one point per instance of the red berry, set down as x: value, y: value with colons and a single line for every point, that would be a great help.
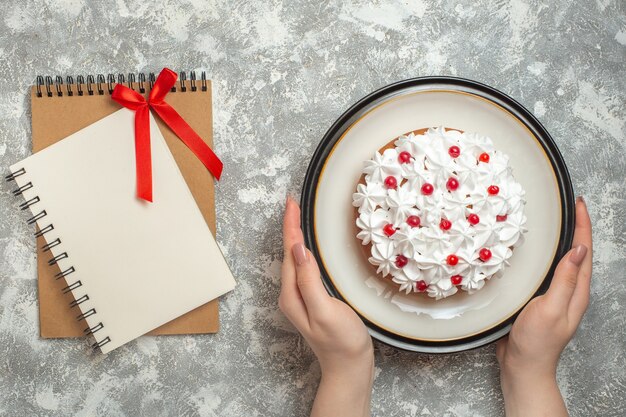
x: 493, y: 189
x: 421, y: 285
x: 456, y: 279
x: 484, y: 157
x: 427, y: 189
x: 452, y: 184
x: 389, y: 229
x: 501, y: 218
x: 401, y: 261
x: 454, y: 151
x: 445, y: 224
x: 484, y: 254
x: 391, y: 182
x: 404, y: 157
x: 473, y: 219
x: 452, y: 260
x: 413, y: 221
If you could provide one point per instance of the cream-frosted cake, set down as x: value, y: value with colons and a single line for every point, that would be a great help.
x: 438, y: 211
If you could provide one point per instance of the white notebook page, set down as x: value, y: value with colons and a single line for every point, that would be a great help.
x: 141, y: 264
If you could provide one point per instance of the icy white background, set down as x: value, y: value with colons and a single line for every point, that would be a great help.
x: 283, y: 72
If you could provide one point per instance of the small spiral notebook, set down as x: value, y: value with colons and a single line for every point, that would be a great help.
x: 112, y: 265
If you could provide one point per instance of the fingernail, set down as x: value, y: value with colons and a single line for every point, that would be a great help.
x: 581, y: 199
x: 299, y: 253
x: 578, y: 254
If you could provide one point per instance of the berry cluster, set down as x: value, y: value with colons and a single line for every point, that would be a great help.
x: 427, y: 189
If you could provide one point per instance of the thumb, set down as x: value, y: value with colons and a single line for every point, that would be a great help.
x: 308, y: 278
x: 565, y: 278
x: 501, y: 346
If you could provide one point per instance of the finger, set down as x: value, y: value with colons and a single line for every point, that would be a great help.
x: 290, y: 301
x: 501, y: 348
x: 292, y: 233
x: 582, y: 232
x: 582, y: 236
x: 309, y: 282
x: 565, y: 279
x: 291, y: 304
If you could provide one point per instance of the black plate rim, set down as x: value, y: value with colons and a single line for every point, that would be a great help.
x: 564, y: 184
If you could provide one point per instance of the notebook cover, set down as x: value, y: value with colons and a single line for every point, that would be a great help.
x: 56, y: 117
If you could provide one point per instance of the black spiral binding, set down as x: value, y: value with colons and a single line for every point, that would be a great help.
x: 51, y: 245
x: 101, y: 84
x: 59, y: 89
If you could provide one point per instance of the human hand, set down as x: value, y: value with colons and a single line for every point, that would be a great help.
x: 336, y: 334
x: 529, y: 355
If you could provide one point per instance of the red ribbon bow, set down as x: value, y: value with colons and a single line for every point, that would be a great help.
x: 131, y: 99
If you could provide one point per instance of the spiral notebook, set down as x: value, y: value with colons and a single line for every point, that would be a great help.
x: 176, y: 265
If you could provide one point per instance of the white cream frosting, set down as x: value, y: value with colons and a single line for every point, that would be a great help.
x: 426, y: 247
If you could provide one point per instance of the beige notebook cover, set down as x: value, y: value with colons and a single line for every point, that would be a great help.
x: 59, y: 114
x: 131, y: 265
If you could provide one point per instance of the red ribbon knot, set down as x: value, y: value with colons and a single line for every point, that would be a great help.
x: 132, y: 100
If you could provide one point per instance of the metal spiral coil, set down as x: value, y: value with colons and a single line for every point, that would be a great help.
x: 47, y: 84
x: 101, y: 84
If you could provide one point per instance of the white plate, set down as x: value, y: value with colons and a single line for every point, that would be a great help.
x: 414, y: 319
